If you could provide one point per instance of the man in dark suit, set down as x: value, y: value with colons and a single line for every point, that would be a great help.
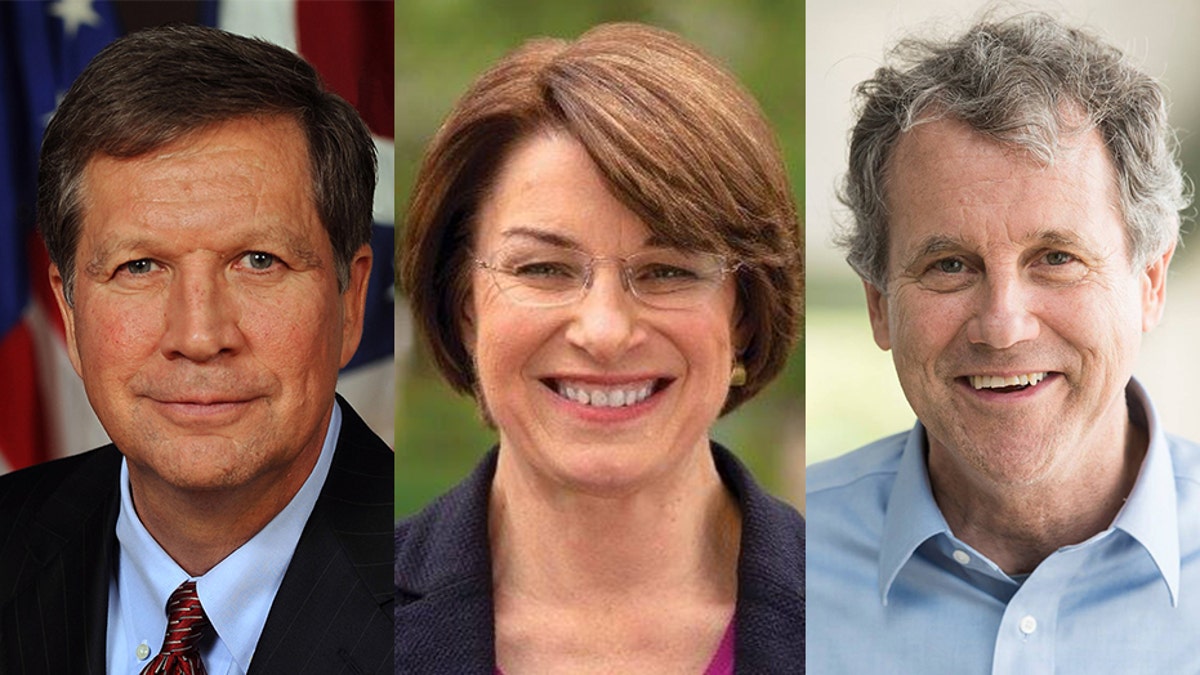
x: 207, y: 208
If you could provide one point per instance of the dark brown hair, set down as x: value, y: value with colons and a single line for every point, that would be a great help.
x: 676, y: 138
x: 154, y: 87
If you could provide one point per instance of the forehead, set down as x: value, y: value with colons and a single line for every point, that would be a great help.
x: 239, y: 175
x: 548, y: 182
x: 946, y: 179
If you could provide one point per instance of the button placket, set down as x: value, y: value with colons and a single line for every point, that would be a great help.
x: 1025, y: 641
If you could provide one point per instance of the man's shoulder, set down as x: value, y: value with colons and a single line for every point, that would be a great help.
x: 359, y: 488
x: 23, y: 492
x: 365, y: 450
x: 1185, y: 458
x: 880, y: 459
x: 51, y: 506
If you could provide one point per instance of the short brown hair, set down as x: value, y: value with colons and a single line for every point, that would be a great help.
x: 154, y: 87
x: 677, y: 140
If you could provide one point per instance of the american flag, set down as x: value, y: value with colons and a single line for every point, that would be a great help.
x: 44, y: 45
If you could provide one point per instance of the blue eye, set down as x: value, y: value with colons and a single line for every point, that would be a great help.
x: 1058, y: 258
x: 950, y: 266
x: 257, y: 260
x: 139, y: 267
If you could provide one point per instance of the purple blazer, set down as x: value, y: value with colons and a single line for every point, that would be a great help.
x: 443, y: 574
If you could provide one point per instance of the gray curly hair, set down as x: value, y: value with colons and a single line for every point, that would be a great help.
x: 1027, y: 81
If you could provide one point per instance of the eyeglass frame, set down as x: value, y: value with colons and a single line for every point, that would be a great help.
x: 626, y: 276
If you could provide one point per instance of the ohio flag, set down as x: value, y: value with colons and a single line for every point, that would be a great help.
x: 43, y: 46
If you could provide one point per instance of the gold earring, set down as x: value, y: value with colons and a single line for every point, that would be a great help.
x: 737, y: 377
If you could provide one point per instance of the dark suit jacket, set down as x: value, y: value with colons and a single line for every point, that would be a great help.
x: 58, y: 546
x: 444, y: 616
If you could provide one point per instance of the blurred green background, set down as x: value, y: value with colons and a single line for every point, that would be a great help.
x: 443, y: 45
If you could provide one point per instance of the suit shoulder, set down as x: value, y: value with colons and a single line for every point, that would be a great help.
x: 44, y: 507
x: 23, y: 492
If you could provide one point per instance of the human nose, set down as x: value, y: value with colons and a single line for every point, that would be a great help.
x: 1003, y: 317
x: 201, y: 318
x: 605, y: 322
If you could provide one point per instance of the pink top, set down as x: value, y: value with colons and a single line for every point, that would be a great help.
x: 722, y: 661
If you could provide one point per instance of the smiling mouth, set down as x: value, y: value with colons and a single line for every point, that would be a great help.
x: 1006, y: 383
x: 615, y: 396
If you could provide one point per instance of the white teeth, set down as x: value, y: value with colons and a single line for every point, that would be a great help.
x: 997, y: 381
x: 609, y: 397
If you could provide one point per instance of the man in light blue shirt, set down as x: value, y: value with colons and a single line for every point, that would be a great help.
x: 1015, y: 197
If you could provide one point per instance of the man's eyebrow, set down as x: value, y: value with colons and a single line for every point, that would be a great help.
x: 932, y: 245
x: 270, y: 238
x: 1063, y: 238
x: 110, y: 247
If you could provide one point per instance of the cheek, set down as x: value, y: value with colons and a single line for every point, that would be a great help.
x: 1104, y: 324
x: 927, y: 331
x: 705, y: 342
x: 920, y: 324
x: 116, y: 334
x: 505, y: 340
x: 294, y: 333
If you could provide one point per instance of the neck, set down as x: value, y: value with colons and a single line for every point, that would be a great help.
x: 199, y: 528
x: 1018, y: 525
x: 558, y: 546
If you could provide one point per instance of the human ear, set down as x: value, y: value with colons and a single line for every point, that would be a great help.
x: 1154, y: 289
x: 58, y: 285
x: 877, y: 308
x: 354, y: 301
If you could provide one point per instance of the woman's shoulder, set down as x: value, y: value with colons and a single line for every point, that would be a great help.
x: 759, y: 506
x: 772, y: 529
x: 446, y: 540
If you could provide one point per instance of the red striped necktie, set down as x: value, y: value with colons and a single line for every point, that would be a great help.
x: 186, y: 624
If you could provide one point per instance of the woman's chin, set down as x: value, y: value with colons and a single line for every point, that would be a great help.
x: 613, y: 473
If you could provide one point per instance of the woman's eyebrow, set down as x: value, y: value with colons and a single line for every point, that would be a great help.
x: 544, y: 236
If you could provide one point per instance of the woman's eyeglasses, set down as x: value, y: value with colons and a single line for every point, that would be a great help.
x: 553, y: 276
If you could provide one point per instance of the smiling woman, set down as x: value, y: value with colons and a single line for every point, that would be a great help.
x: 602, y: 249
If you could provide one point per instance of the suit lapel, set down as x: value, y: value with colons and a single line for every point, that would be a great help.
x: 333, y: 611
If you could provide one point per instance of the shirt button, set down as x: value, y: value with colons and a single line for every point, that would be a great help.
x: 143, y: 651
x: 1028, y: 625
x: 961, y: 557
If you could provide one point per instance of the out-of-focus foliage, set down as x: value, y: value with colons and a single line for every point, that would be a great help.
x: 441, y: 46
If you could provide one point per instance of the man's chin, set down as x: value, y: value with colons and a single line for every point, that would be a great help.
x: 1012, y: 462
x: 195, y: 463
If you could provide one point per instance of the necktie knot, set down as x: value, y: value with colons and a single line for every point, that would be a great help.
x: 186, y: 624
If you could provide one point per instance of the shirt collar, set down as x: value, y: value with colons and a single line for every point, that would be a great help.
x: 912, y: 515
x: 237, y: 592
x: 1149, y: 515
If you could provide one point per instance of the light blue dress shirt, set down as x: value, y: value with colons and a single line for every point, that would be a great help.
x: 236, y: 593
x: 890, y: 589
